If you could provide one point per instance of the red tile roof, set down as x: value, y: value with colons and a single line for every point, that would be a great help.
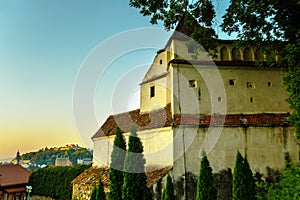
x: 163, y: 118
x: 12, y: 174
x: 142, y: 121
x: 92, y: 175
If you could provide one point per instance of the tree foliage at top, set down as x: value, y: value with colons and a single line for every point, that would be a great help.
x: 135, y: 180
x: 170, y: 11
x: 243, y: 181
x: 205, y: 188
x: 271, y: 25
x: 116, y: 167
x: 168, y: 193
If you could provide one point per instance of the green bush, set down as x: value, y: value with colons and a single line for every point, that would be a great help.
x: 55, y: 182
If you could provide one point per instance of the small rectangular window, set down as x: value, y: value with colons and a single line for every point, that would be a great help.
x: 269, y: 84
x: 250, y: 85
x: 160, y: 62
x: 193, y: 83
x: 152, y: 91
x: 219, y: 98
x: 232, y: 82
x: 251, y: 99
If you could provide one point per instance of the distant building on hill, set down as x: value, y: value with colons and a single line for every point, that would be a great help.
x: 18, y: 160
x: 84, y: 161
x: 13, y: 182
x: 63, y: 162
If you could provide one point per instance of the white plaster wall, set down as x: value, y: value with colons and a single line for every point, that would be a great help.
x: 264, y: 147
x: 158, y: 147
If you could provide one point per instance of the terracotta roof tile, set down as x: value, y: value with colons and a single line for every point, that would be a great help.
x: 92, y: 175
x: 142, y: 121
x: 12, y: 174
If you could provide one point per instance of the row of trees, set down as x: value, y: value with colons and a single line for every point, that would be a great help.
x: 127, y: 175
x: 244, y: 187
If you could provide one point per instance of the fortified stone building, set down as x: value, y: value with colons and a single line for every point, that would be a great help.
x: 219, y: 106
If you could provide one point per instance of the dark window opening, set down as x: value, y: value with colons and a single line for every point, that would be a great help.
x: 251, y: 99
x: 269, y: 84
x: 231, y: 82
x: 250, y: 85
x: 193, y: 83
x: 160, y: 62
x: 219, y: 98
x: 152, y: 91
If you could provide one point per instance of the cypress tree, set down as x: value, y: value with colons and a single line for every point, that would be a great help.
x: 94, y: 193
x: 163, y: 194
x: 249, y: 181
x: 238, y: 186
x: 116, y: 166
x: 168, y: 193
x: 100, y: 191
x: 134, y: 185
x: 243, y: 181
x: 205, y: 188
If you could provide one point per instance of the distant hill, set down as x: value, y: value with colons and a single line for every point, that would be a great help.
x: 47, y: 155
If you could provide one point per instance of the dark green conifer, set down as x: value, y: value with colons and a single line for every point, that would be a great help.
x: 205, y: 188
x: 94, y: 193
x: 250, y: 192
x: 168, y: 193
x: 243, y: 181
x: 116, y: 167
x: 238, y: 186
x: 134, y: 185
x: 100, y: 191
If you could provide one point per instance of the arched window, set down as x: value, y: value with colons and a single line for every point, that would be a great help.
x: 247, y: 54
x: 236, y: 56
x: 224, y: 54
x: 258, y: 55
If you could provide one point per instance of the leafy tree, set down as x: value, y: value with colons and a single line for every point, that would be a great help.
x: 243, y: 181
x: 287, y: 188
x: 271, y: 25
x: 170, y: 11
x: 168, y: 193
x: 100, y: 194
x: 55, y: 182
x: 205, y: 188
x: 94, y: 193
x: 116, y: 167
x: 134, y: 186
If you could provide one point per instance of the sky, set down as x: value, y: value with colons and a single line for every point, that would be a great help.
x: 45, y: 45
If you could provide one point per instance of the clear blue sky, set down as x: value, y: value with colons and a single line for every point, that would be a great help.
x: 43, y: 44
